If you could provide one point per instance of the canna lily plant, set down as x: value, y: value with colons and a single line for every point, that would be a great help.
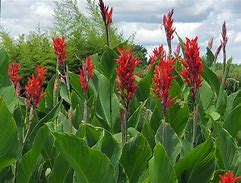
x: 104, y: 124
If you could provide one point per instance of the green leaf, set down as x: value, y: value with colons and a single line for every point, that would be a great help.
x: 149, y: 134
x: 210, y: 57
x: 160, y: 168
x: 7, y: 90
x: 143, y: 90
x: 8, y: 137
x: 109, y: 146
x: 232, y: 121
x: 198, y: 165
x: 135, y: 118
x: 171, y: 141
x: 230, y: 153
x: 103, y: 102
x: 212, y: 79
x: 108, y: 63
x: 134, y: 157
x: 28, y: 163
x: 90, y: 165
x: 179, y: 120
x: 206, y: 95
x: 60, y: 171
x: 49, y: 117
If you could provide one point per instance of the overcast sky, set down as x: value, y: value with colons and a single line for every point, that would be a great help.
x: 143, y: 17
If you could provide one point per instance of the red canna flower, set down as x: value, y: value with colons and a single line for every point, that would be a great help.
x: 34, y: 86
x: 193, y: 66
x: 125, y: 80
x: 169, y: 29
x: 60, y: 49
x: 162, y: 79
x: 86, y: 73
x: 157, y: 52
x: 106, y: 13
x: 177, y: 51
x: 13, y: 69
x: 228, y: 178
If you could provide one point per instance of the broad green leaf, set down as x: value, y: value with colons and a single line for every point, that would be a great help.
x: 179, y: 120
x: 134, y: 157
x: 29, y: 162
x: 90, y: 165
x: 143, y: 90
x: 210, y: 57
x: 75, y: 83
x: 170, y: 141
x: 103, y: 103
x: 160, y: 168
x: 49, y: 117
x: 198, y: 165
x: 232, y: 121
x: 109, y: 146
x: 149, y: 134
x: 61, y: 170
x: 8, y: 137
x: 108, y: 63
x: 229, y: 158
x: 206, y: 95
x: 7, y: 90
x: 135, y: 118
x: 90, y: 133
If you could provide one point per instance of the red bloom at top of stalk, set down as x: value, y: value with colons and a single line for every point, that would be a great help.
x: 60, y: 49
x: 106, y: 13
x: 86, y: 73
x: 34, y: 86
x: 13, y: 69
x: 157, y: 52
x: 168, y: 24
x: 162, y: 79
x: 228, y: 178
x: 125, y: 80
x: 193, y: 66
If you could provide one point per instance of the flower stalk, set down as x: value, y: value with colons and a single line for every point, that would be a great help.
x: 192, y: 75
x: 169, y: 29
x: 86, y: 73
x: 126, y: 85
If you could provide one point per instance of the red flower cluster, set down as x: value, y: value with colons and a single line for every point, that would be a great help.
x: 125, y: 80
x: 162, y: 79
x: 193, y: 66
x: 105, y: 13
x: 228, y: 178
x: 60, y: 49
x: 86, y: 73
x: 157, y: 52
x: 168, y: 24
x: 169, y: 29
x: 13, y: 69
x: 34, y: 85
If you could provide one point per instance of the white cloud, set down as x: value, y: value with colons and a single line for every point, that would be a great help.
x: 143, y: 18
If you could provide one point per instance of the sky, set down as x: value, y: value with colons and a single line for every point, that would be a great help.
x: 143, y: 18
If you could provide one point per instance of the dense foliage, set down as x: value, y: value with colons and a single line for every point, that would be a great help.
x: 173, y: 123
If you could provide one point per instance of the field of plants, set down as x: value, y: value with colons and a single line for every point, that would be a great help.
x: 172, y: 121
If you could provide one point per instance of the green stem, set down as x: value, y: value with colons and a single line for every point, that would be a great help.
x: 30, y: 121
x: 67, y: 80
x: 85, y: 113
x: 195, y: 123
x: 124, y: 126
